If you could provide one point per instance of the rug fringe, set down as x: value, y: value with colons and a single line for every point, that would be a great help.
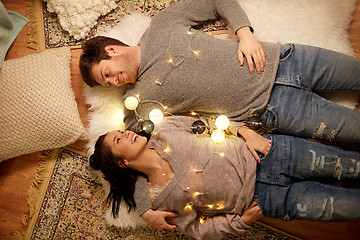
x: 36, y: 32
x: 36, y: 191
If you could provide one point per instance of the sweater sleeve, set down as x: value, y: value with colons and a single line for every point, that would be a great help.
x: 215, y: 227
x: 194, y: 12
x: 141, y: 195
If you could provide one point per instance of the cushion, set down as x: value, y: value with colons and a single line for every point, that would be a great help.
x: 78, y: 17
x: 38, y: 107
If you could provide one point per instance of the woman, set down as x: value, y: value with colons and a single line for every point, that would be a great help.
x: 218, y: 189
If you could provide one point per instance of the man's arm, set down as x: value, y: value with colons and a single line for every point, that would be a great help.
x: 251, y: 49
x: 193, y: 12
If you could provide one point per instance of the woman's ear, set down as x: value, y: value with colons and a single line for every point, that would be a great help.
x: 123, y: 164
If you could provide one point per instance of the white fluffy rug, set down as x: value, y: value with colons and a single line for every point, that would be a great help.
x: 322, y: 23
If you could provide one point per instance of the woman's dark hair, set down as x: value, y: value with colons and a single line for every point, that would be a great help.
x: 93, y: 52
x: 122, y: 180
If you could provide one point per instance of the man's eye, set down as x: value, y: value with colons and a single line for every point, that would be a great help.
x: 118, y: 140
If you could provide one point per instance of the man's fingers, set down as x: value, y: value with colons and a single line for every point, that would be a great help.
x: 250, y: 63
x: 241, y: 58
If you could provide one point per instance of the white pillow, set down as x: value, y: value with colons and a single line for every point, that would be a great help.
x: 78, y: 17
x: 38, y: 107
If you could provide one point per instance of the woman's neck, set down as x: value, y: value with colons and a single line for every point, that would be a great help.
x: 154, y: 167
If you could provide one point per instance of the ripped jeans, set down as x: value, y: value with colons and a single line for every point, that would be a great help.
x: 296, y: 109
x: 288, y: 181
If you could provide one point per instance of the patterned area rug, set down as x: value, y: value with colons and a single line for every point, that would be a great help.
x: 56, y: 37
x: 72, y: 206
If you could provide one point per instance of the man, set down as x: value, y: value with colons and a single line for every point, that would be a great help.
x: 186, y: 70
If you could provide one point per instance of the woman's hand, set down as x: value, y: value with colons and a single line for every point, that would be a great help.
x: 251, y: 48
x: 255, y: 142
x: 158, y: 218
x: 251, y: 214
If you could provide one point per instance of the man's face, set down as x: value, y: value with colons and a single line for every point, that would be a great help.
x: 120, y: 69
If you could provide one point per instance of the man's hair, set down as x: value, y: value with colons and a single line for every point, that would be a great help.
x: 93, y: 52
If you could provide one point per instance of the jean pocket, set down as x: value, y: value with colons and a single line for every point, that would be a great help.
x: 286, y: 51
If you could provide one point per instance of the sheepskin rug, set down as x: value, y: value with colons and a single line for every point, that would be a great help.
x: 322, y: 23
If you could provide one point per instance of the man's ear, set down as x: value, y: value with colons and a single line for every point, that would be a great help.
x: 111, y: 50
x: 123, y: 164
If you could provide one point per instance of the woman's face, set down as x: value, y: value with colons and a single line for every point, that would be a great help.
x: 125, y: 144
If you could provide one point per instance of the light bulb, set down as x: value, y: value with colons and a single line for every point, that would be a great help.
x: 222, y: 122
x: 131, y: 103
x: 218, y: 136
x: 156, y: 115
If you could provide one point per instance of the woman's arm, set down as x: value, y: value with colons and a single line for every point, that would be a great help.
x: 218, y: 226
x: 158, y: 218
x: 255, y: 142
x: 251, y: 214
x: 143, y: 205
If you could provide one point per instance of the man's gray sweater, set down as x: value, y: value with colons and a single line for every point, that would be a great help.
x: 188, y: 70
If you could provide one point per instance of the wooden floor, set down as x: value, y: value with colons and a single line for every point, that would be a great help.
x: 17, y: 174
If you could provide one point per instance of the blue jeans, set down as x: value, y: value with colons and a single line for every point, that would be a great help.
x: 295, y: 108
x: 288, y: 181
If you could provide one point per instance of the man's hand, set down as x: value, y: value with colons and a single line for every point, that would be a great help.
x: 251, y: 214
x: 158, y: 219
x: 251, y: 48
x: 255, y: 142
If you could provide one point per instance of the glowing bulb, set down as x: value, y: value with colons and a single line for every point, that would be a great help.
x: 170, y: 61
x: 167, y: 150
x: 220, y: 205
x: 196, y: 53
x: 222, y: 154
x: 210, y: 206
x: 193, y: 113
x: 188, y: 206
x: 197, y: 194
x: 218, y: 136
x: 202, y: 220
x: 156, y: 115
x: 222, y: 122
x: 131, y: 103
